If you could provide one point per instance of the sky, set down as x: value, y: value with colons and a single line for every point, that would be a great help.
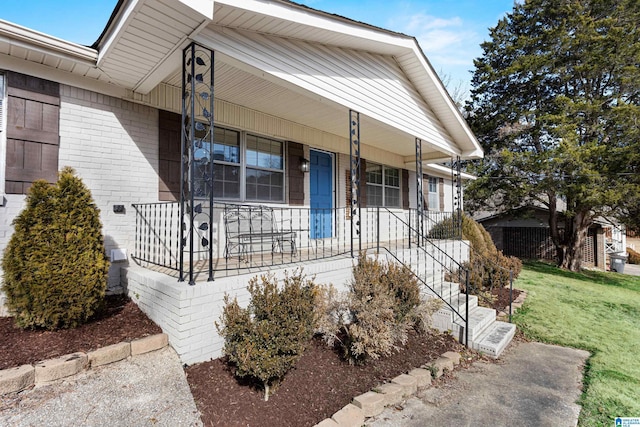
x: 449, y: 32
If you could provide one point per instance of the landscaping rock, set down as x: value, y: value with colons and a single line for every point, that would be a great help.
x: 60, y: 367
x: 440, y: 365
x: 147, y: 344
x: 327, y: 422
x: 109, y: 354
x: 453, y: 356
x: 371, y: 403
x: 408, y: 383
x: 392, y: 393
x: 422, y: 376
x: 349, y: 416
x: 16, y: 379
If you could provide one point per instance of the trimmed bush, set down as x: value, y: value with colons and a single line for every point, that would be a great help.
x: 634, y: 257
x: 55, y: 268
x: 266, y: 339
x: 382, y: 304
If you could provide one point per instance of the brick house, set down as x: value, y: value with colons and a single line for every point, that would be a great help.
x: 336, y: 129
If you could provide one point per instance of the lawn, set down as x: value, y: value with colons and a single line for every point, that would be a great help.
x: 595, y: 311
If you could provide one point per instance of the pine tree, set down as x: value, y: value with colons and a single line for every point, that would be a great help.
x: 55, y: 268
x: 555, y: 105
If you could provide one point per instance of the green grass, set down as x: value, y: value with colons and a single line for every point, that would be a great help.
x: 595, y: 311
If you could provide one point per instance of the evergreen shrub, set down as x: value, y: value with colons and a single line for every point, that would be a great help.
x: 55, y: 268
x: 634, y: 257
x: 488, y: 267
x: 265, y: 340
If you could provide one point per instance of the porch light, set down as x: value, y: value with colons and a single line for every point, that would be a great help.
x: 304, y: 164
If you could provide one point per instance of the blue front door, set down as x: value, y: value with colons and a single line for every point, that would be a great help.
x: 321, y: 194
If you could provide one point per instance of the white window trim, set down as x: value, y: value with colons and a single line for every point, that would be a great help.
x: 384, y: 186
x: 437, y: 194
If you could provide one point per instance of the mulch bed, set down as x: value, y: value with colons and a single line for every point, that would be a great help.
x: 501, y: 297
x: 119, y: 320
x: 320, y: 384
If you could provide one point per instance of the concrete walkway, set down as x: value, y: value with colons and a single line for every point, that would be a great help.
x: 532, y: 384
x: 146, y: 390
x: 632, y: 269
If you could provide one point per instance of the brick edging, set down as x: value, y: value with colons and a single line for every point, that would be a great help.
x: 16, y: 379
x: 373, y: 402
x: 515, y: 305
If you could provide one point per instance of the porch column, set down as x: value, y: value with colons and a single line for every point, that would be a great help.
x: 457, y: 199
x: 354, y: 161
x: 419, y: 193
x: 196, y: 167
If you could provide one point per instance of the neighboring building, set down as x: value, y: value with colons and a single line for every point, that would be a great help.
x: 524, y: 233
x: 294, y: 87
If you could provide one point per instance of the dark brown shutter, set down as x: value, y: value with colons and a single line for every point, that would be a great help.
x: 441, y: 193
x: 33, y: 137
x: 405, y: 189
x: 169, y: 156
x: 296, y: 176
x: 425, y: 190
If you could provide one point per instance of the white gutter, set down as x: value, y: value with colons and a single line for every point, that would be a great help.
x: 34, y: 40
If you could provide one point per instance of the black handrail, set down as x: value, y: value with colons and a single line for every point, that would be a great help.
x: 445, y: 261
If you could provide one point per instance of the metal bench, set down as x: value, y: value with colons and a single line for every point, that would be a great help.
x: 251, y: 229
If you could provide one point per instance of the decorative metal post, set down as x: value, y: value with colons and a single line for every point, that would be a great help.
x: 419, y: 192
x: 354, y: 160
x: 196, y: 167
x: 458, y: 198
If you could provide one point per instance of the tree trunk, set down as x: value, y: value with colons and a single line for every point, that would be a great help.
x: 569, y: 247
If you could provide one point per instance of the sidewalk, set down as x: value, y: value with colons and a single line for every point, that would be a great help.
x: 146, y: 390
x: 532, y: 384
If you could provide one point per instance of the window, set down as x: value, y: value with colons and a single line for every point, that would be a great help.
x: 434, y: 200
x: 383, y: 186
x: 246, y: 167
x: 264, y: 170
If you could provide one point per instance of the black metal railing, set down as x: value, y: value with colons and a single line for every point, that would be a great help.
x: 273, y: 236
x: 431, y: 262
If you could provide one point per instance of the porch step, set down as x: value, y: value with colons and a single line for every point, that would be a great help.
x: 495, y: 338
x: 445, y: 290
x: 479, y: 319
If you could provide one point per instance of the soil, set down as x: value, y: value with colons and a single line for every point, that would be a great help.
x: 501, y: 297
x: 320, y: 384
x: 118, y: 320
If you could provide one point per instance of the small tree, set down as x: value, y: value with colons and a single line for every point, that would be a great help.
x: 266, y: 339
x: 55, y: 268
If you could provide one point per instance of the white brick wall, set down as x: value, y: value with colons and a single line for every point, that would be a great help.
x: 187, y: 313
x: 113, y: 146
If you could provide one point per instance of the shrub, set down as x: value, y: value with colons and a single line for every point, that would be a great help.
x: 265, y: 340
x: 488, y: 267
x: 382, y: 304
x: 634, y: 257
x: 55, y: 268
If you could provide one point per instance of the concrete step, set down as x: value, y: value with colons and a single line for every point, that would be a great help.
x: 495, y: 338
x: 445, y: 290
x: 479, y: 319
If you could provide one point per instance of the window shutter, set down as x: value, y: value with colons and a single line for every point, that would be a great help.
x: 32, y: 126
x: 169, y: 156
x: 405, y: 189
x: 296, y: 176
x: 441, y: 193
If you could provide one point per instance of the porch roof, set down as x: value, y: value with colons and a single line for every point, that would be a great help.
x: 280, y: 58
